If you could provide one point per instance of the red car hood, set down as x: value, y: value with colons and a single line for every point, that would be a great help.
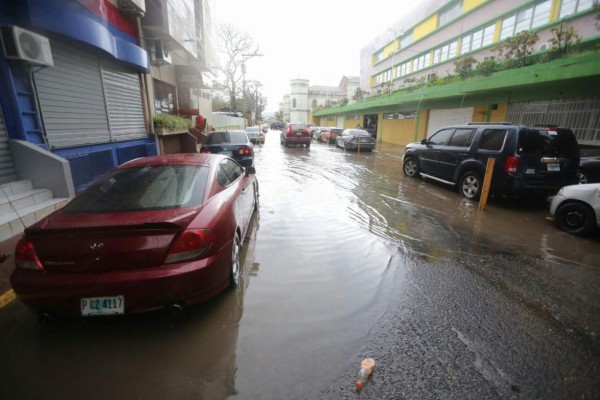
x: 102, y: 242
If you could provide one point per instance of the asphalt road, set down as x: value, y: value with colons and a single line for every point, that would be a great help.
x: 348, y: 259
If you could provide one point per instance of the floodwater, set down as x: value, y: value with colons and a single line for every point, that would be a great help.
x: 334, y: 239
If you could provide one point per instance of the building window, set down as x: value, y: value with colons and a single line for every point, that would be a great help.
x: 293, y: 103
x: 450, y: 13
x: 314, y: 103
x: 477, y: 39
x: 164, y: 97
x: 406, y: 40
x: 421, y: 62
x: 378, y: 56
x: 569, y: 7
x: 526, y: 19
x: 444, y: 53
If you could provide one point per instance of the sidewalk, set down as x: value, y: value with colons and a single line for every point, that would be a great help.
x: 8, y: 247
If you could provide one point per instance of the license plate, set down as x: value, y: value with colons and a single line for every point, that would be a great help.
x: 226, y: 153
x: 298, y: 133
x: 103, y: 305
x: 554, y: 167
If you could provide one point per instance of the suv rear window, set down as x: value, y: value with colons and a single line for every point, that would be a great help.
x: 492, y: 139
x: 337, y: 131
x: 298, y: 126
x: 232, y: 137
x: 560, y: 142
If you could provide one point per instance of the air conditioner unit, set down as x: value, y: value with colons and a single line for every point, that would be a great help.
x: 162, y: 56
x: 134, y: 8
x: 21, y: 44
x: 431, y: 77
x: 544, y: 46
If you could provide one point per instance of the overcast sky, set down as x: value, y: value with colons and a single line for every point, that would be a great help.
x: 318, y: 40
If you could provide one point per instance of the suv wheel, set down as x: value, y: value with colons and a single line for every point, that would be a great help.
x: 470, y: 185
x: 575, y: 218
x: 411, y: 168
x: 582, y: 177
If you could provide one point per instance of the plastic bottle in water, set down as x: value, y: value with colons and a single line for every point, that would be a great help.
x: 366, y: 368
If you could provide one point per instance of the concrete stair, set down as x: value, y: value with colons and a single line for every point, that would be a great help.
x: 21, y: 205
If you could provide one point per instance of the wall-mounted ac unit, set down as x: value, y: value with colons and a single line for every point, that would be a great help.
x: 431, y: 77
x: 21, y: 44
x: 544, y: 46
x: 162, y: 56
x: 134, y: 8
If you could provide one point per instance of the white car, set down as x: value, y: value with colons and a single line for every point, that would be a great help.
x: 576, y: 208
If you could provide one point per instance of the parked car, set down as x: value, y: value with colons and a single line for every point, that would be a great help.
x: 254, y: 134
x: 576, y: 208
x: 354, y: 139
x: 265, y: 128
x: 529, y: 160
x: 234, y: 144
x: 330, y: 135
x: 589, y: 170
x: 156, y: 232
x: 315, y: 132
x: 295, y: 134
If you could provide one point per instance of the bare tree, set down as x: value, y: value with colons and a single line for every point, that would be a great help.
x: 236, y: 48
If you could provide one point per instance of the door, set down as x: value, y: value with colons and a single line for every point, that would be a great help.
x: 452, y: 116
x: 449, y: 157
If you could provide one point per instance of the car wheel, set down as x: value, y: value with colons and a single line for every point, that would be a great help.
x: 470, y: 185
x: 345, y: 146
x: 582, y: 177
x: 308, y: 145
x: 411, y: 168
x: 236, y: 247
x: 575, y: 218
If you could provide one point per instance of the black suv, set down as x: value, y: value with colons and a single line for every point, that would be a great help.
x: 530, y: 160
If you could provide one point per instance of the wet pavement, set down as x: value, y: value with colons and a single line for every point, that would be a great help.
x: 348, y: 259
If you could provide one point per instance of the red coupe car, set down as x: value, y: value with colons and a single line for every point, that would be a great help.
x: 156, y: 232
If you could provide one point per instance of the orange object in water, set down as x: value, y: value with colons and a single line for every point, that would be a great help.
x: 366, y: 368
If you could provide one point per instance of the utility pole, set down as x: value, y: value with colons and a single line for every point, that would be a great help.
x: 244, y: 58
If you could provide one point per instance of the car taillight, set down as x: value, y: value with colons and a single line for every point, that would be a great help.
x: 25, y: 256
x: 511, y: 164
x: 204, y: 151
x: 245, y: 151
x: 192, y: 243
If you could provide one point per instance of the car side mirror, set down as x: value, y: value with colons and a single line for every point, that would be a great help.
x: 424, y: 141
x: 250, y: 171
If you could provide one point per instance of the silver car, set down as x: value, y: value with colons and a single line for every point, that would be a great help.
x: 355, y: 139
x: 254, y: 134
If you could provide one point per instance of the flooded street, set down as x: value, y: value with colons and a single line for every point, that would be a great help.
x: 346, y: 259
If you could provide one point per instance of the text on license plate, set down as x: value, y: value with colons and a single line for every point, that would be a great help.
x: 553, y: 167
x: 227, y: 153
x: 103, y: 305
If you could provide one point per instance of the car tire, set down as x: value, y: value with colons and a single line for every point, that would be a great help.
x: 470, y: 185
x: 236, y: 267
x: 411, y: 168
x: 307, y: 145
x: 575, y: 218
x: 583, y: 177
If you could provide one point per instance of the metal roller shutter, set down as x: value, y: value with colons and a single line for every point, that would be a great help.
x: 124, y: 103
x: 85, y: 100
x: 452, y: 116
x: 71, y: 99
x: 7, y: 168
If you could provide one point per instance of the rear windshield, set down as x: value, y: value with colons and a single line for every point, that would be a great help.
x: 231, y: 137
x: 558, y: 143
x: 298, y: 126
x: 252, y: 129
x: 142, y: 188
x: 337, y: 131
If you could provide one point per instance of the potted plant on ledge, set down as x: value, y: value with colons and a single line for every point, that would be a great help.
x: 168, y: 124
